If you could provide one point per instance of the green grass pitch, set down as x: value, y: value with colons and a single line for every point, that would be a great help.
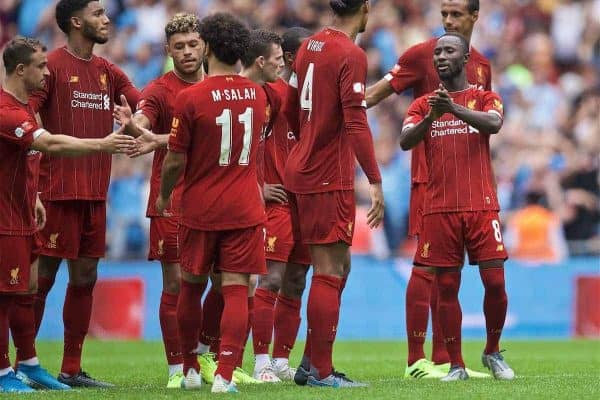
x: 545, y: 370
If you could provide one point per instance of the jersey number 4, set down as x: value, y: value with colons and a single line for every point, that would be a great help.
x: 307, y: 87
x: 225, y: 122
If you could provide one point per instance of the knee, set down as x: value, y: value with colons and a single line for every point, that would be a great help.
x: 448, y: 284
x: 293, y: 286
x: 85, y: 276
x: 271, y: 282
x: 171, y: 286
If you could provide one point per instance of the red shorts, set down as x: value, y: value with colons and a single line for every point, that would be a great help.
x: 417, y: 199
x: 74, y: 228
x: 164, y: 242
x: 326, y: 217
x: 17, y: 253
x: 445, y: 236
x: 280, y: 244
x: 239, y: 250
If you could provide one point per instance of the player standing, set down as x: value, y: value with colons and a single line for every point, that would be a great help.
x: 155, y: 112
x: 326, y: 107
x: 415, y: 70
x: 461, y: 208
x: 217, y: 125
x: 21, y: 141
x: 277, y: 300
x: 78, y: 101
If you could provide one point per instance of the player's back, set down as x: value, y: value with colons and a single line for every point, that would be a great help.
x: 223, y: 117
x: 323, y: 159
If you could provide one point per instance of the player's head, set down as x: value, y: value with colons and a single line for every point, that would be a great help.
x: 352, y: 8
x: 292, y: 38
x: 265, y: 54
x: 226, y: 37
x: 460, y: 16
x: 26, y: 59
x: 184, y: 44
x: 85, y: 16
x: 450, y: 55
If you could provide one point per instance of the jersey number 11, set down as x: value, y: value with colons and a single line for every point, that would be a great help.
x: 225, y: 122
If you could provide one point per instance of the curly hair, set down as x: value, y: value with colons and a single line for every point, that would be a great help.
x: 65, y: 10
x: 19, y: 51
x: 182, y: 23
x: 226, y: 36
x: 261, y: 42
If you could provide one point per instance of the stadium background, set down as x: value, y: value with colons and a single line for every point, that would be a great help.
x: 546, y: 64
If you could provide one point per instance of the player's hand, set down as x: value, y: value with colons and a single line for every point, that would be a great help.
x: 274, y: 193
x: 161, y: 204
x: 375, y: 214
x: 441, y: 103
x: 116, y: 142
x: 40, y: 214
x: 144, y: 144
x: 122, y: 113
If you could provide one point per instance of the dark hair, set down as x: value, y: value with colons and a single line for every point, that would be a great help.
x: 346, y: 7
x: 226, y: 36
x: 182, y: 23
x: 19, y: 51
x: 261, y: 42
x: 65, y: 10
x: 292, y: 38
x: 472, y: 6
x: 463, y: 41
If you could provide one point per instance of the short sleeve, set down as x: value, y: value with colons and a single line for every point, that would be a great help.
x: 180, y: 134
x: 150, y: 104
x: 407, y: 71
x: 416, y: 113
x: 19, y: 127
x: 353, y: 77
x: 123, y: 85
x: 492, y: 103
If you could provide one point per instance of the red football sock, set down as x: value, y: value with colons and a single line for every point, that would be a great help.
x: 495, y: 304
x: 167, y: 314
x: 5, y: 305
x: 234, y: 325
x: 323, y: 315
x: 211, y: 319
x: 76, y: 317
x: 451, y: 314
x: 262, y: 320
x: 22, y: 326
x: 189, y: 318
x: 286, y: 324
x: 439, y: 353
x: 44, y: 286
x: 250, y: 303
x: 417, y: 309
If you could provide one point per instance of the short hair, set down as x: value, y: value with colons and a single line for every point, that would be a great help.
x: 472, y: 6
x: 226, y: 36
x: 291, y: 38
x: 261, y: 42
x: 19, y: 51
x: 463, y: 41
x: 346, y: 7
x: 182, y: 23
x: 65, y: 10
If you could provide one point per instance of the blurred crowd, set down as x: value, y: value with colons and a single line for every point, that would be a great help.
x: 545, y: 58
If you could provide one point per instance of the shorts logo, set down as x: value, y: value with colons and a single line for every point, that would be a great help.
x: 500, y: 247
x: 350, y: 227
x: 161, y: 249
x: 14, y: 276
x: 52, y: 242
x: 271, y: 244
x: 425, y: 250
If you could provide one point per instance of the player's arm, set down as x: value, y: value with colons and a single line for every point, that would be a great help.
x: 171, y: 171
x: 378, y: 92
x: 69, y: 146
x: 417, y: 123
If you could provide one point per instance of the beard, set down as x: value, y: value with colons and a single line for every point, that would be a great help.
x: 90, y: 33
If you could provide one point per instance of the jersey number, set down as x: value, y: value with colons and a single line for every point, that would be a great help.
x: 224, y: 121
x: 497, y: 232
x: 306, y: 93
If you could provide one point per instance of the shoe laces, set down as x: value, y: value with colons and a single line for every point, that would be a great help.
x: 340, y: 375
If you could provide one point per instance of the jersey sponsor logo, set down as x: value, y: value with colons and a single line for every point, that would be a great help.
x: 425, y: 250
x: 315, y: 45
x: 73, y: 79
x: 91, y: 101
x: 271, y: 244
x: 103, y: 82
x: 52, y: 243
x: 161, y: 247
x: 14, y: 276
x: 450, y: 127
x: 19, y: 132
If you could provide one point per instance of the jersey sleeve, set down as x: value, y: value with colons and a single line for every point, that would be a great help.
x: 150, y: 104
x: 416, y: 113
x: 488, y: 83
x: 180, y: 134
x: 407, y: 71
x: 492, y: 103
x: 353, y: 77
x: 123, y: 85
x: 19, y: 127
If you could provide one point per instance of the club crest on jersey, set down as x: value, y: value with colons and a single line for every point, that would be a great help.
x: 271, y: 244
x: 14, y: 276
x: 425, y: 250
x: 19, y: 132
x: 73, y: 79
x: 103, y: 82
x: 498, y: 105
x: 471, y: 104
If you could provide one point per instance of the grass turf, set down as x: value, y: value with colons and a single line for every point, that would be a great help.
x: 545, y: 370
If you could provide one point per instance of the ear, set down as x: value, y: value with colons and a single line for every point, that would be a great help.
x: 467, y: 56
x: 168, y: 49
x: 260, y: 61
x: 76, y: 22
x: 475, y: 15
x: 20, y: 70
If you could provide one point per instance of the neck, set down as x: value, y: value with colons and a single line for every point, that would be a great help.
x: 347, y: 25
x: 192, y: 77
x: 216, y: 68
x: 457, y: 83
x: 253, y: 74
x: 16, y: 87
x: 80, y: 46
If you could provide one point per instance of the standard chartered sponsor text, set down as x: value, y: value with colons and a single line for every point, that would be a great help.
x: 450, y: 127
x: 94, y: 101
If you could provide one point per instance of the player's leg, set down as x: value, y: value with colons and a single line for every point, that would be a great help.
x: 210, y: 332
x: 47, y: 270
x: 8, y: 380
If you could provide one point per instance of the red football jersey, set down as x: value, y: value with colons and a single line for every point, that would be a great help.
x: 218, y: 124
x: 158, y: 104
x: 78, y: 101
x: 415, y: 70
x: 461, y: 177
x: 329, y: 73
x: 19, y: 166
x: 273, y: 110
x: 279, y: 140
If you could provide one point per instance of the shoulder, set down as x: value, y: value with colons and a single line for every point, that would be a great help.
x: 156, y: 86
